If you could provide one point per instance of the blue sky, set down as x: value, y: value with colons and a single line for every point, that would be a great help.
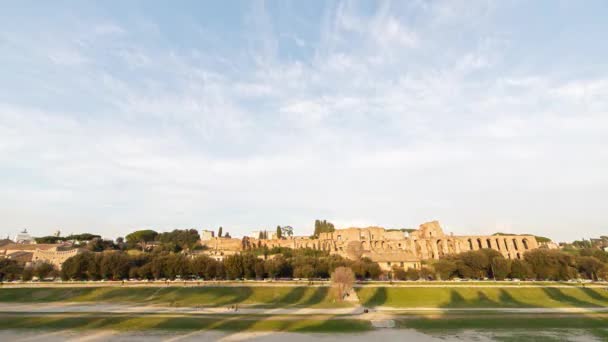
x: 485, y: 115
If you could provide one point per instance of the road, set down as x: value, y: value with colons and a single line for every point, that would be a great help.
x: 54, y: 308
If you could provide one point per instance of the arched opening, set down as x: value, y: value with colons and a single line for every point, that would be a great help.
x: 439, y: 247
x: 479, y: 243
x: 498, y: 244
x: 525, y: 243
x: 515, y: 245
x: 470, y: 244
x: 364, y: 245
x: 489, y: 243
x: 506, y: 245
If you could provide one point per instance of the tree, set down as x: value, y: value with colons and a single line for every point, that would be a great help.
x: 412, y: 274
x: 286, y: 231
x: 219, y: 232
x: 233, y: 265
x: 9, y: 270
x: 141, y: 238
x: 43, y: 270
x: 259, y: 269
x: 500, y: 268
x: 27, y: 274
x: 49, y: 239
x: 551, y: 264
x: 303, y: 271
x: 179, y: 240
x: 279, y: 232
x: 342, y: 280
x: 590, y: 267
x: 323, y: 227
x: 399, y: 273
x: 520, y: 270
x: 445, y: 269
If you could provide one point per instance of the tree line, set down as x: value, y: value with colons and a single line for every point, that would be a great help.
x: 162, y: 264
x: 538, y: 264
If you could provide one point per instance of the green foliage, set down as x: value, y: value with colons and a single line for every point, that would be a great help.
x: 446, y: 269
x: 412, y: 274
x: 84, y: 237
x: 50, y: 239
x: 279, y: 232
x: 141, y: 237
x: 10, y: 270
x: 551, y: 264
x: 180, y: 239
x: 43, y: 270
x: 323, y: 227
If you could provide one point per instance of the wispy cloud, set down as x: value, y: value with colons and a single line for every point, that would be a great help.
x: 385, y: 114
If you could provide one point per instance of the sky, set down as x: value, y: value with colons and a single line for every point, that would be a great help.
x: 485, y: 115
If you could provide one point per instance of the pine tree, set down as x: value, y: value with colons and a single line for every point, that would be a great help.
x: 279, y: 232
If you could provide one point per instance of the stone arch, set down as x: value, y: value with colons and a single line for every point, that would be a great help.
x: 498, y: 244
x: 364, y: 245
x: 439, y: 247
x: 525, y: 243
x: 383, y: 245
x: 479, y: 244
x: 506, y: 244
x: 451, y: 246
x: 515, y: 244
x: 470, y: 244
x: 518, y: 255
x: 489, y: 243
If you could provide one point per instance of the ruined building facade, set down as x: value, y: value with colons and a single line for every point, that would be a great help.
x: 389, y: 248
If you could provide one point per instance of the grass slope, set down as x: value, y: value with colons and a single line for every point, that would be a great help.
x: 153, y: 322
x: 178, y: 296
x: 457, y: 297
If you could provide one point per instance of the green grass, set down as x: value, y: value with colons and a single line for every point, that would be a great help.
x: 178, y: 296
x: 514, y: 329
x: 158, y: 322
x: 503, y: 323
x: 458, y: 297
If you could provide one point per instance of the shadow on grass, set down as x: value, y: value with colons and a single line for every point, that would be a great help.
x: 319, y: 295
x: 378, y: 298
x: 559, y: 296
x: 506, y: 299
x: 596, y: 295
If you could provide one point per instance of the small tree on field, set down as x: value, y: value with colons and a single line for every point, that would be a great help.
x: 342, y: 280
x: 279, y: 232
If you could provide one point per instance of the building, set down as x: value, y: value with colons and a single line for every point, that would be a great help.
x: 54, y: 254
x: 24, y: 237
x: 387, y: 247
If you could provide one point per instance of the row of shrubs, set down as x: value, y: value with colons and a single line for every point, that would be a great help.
x: 540, y: 264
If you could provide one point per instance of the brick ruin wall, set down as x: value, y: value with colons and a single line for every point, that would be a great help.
x: 428, y: 242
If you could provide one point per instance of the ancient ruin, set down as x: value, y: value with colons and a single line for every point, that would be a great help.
x: 389, y: 247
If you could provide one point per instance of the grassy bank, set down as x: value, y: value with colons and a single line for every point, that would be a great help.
x: 513, y: 328
x: 178, y: 296
x: 452, y: 297
x: 158, y: 322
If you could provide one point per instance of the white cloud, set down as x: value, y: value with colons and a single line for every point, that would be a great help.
x: 378, y: 127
